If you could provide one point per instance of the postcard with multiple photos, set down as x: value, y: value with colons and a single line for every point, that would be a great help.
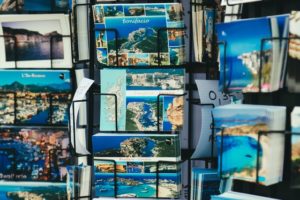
x: 137, y: 91
x: 138, y: 29
x: 241, y: 144
x: 34, y: 154
x: 30, y: 190
x: 32, y: 41
x: 136, y: 147
x: 38, y: 97
x: 136, y: 179
x: 34, y: 5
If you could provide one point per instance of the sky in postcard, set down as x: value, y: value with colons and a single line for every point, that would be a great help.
x: 42, y: 26
x: 236, y: 34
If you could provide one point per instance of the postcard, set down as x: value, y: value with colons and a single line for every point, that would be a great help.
x: 140, y: 28
x: 241, y: 125
x: 34, y: 154
x: 295, y: 159
x: 205, y: 182
x: 32, y: 41
x: 30, y: 190
x: 35, y: 96
x: 238, y: 196
x: 242, y: 70
x: 138, y: 106
x: 136, y: 147
x: 292, y: 79
x: 33, y: 5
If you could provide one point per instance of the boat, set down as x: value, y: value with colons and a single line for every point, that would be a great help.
x: 127, y: 195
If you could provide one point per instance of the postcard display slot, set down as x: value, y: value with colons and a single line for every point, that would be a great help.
x: 44, y: 159
x: 282, y: 97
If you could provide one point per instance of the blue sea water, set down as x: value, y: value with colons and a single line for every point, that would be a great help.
x: 35, y: 51
x: 46, y: 192
x: 155, y: 9
x: 41, y: 118
x: 177, y: 42
x: 239, y: 153
x: 146, y: 119
x: 167, y: 126
x: 105, y: 185
x: 101, y: 144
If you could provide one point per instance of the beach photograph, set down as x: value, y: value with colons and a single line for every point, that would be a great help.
x: 134, y: 10
x: 240, y: 142
x: 138, y: 59
x: 155, y: 9
x: 33, y: 40
x: 140, y: 185
x: 243, y: 54
x: 34, y: 191
x: 113, y: 10
x: 176, y: 38
x: 33, y: 90
x: 36, y: 151
x: 135, y: 146
x: 141, y: 113
x: 155, y: 79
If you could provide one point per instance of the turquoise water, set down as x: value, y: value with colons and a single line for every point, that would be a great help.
x: 105, y: 184
x: 239, y: 153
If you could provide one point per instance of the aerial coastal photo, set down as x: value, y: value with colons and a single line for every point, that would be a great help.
x: 36, y: 154
x: 141, y: 113
x: 132, y: 145
x: 131, y: 185
x: 33, y: 191
x: 33, y: 100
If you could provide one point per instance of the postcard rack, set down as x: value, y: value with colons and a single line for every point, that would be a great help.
x: 209, y: 67
x: 281, y: 97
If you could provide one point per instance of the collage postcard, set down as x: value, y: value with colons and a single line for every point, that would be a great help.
x: 137, y: 179
x: 241, y: 125
x: 138, y: 108
x: 34, y: 154
x: 35, y: 41
x: 139, y: 31
x: 35, y: 96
